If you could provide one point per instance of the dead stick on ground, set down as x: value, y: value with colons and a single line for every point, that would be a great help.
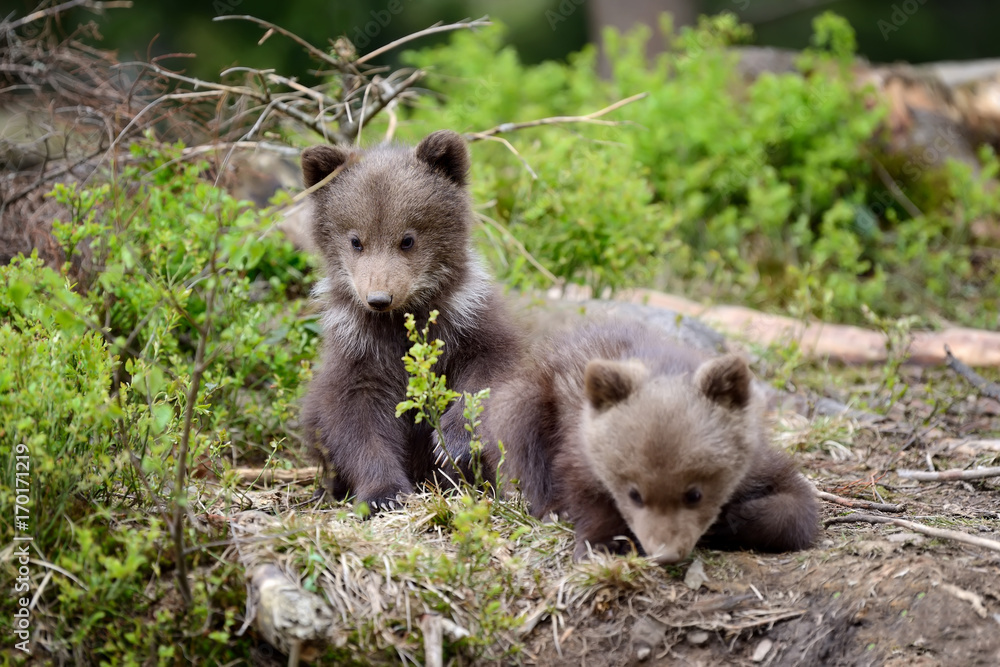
x: 433, y: 639
x: 985, y: 387
x: 917, y: 528
x: 946, y: 475
x: 855, y: 503
x: 269, y: 475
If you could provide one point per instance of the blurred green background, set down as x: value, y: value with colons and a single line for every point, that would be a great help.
x: 909, y: 30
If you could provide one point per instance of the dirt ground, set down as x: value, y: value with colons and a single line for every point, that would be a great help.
x: 865, y: 595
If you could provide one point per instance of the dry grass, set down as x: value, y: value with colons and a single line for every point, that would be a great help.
x: 501, y: 582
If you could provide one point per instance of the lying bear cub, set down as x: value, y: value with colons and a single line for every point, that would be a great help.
x: 638, y: 439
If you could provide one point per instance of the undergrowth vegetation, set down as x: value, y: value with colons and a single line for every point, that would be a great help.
x: 184, y: 348
x: 99, y: 382
x: 763, y: 193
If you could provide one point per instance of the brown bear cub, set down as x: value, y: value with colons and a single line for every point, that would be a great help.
x: 629, y: 434
x: 393, y: 227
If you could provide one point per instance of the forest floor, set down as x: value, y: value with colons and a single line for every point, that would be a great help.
x: 863, y: 595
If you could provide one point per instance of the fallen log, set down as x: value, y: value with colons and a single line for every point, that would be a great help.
x: 842, y: 342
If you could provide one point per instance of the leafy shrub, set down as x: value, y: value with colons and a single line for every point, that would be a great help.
x: 764, y: 192
x: 183, y: 316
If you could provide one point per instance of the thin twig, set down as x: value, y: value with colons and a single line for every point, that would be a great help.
x: 386, y: 93
x: 520, y: 246
x: 265, y: 146
x: 893, y: 187
x: 337, y: 63
x: 984, y: 386
x: 180, y: 490
x: 856, y: 503
x: 917, y: 528
x: 434, y: 29
x: 96, y: 7
x: 947, y: 475
x: 558, y: 120
x: 509, y: 146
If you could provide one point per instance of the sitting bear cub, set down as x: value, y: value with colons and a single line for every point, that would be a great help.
x: 627, y: 433
x: 392, y: 224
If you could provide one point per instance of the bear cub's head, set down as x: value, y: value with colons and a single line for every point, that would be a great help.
x: 670, y: 449
x: 391, y: 222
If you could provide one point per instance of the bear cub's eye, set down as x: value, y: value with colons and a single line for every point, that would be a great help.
x: 635, y: 497
x: 406, y: 243
x: 692, y: 496
x: 356, y: 244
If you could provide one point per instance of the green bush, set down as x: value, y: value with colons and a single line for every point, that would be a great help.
x: 764, y: 192
x: 181, y: 282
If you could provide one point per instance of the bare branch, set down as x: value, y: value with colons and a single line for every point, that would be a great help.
x: 593, y: 118
x: 948, y: 475
x: 337, y: 63
x: 856, y: 503
x: 985, y: 387
x: 941, y: 533
x: 271, y: 475
x: 436, y: 28
x: 93, y: 5
x: 520, y: 246
x: 386, y: 93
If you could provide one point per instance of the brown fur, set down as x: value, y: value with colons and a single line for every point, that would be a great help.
x: 393, y: 228
x: 627, y: 433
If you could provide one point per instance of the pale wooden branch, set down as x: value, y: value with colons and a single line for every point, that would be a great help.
x: 948, y: 475
x: 266, y: 146
x: 289, y: 617
x: 434, y: 29
x: 433, y: 631
x: 941, y: 533
x: 272, y: 475
x: 984, y: 386
x: 593, y: 118
x: 856, y: 503
x: 386, y: 93
x: 317, y: 95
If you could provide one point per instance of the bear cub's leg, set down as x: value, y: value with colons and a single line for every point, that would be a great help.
x: 774, y: 509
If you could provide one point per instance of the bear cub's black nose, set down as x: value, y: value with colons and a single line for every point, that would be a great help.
x: 379, y: 300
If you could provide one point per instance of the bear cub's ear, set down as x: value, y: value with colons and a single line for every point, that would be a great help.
x: 725, y: 380
x: 608, y: 383
x: 446, y: 153
x: 319, y: 161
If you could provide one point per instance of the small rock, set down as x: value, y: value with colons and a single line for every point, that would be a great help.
x: 763, y: 648
x: 695, y: 575
x: 697, y: 637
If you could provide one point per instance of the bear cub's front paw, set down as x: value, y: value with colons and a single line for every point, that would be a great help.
x: 617, y: 547
x: 386, y: 499
x: 448, y: 462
